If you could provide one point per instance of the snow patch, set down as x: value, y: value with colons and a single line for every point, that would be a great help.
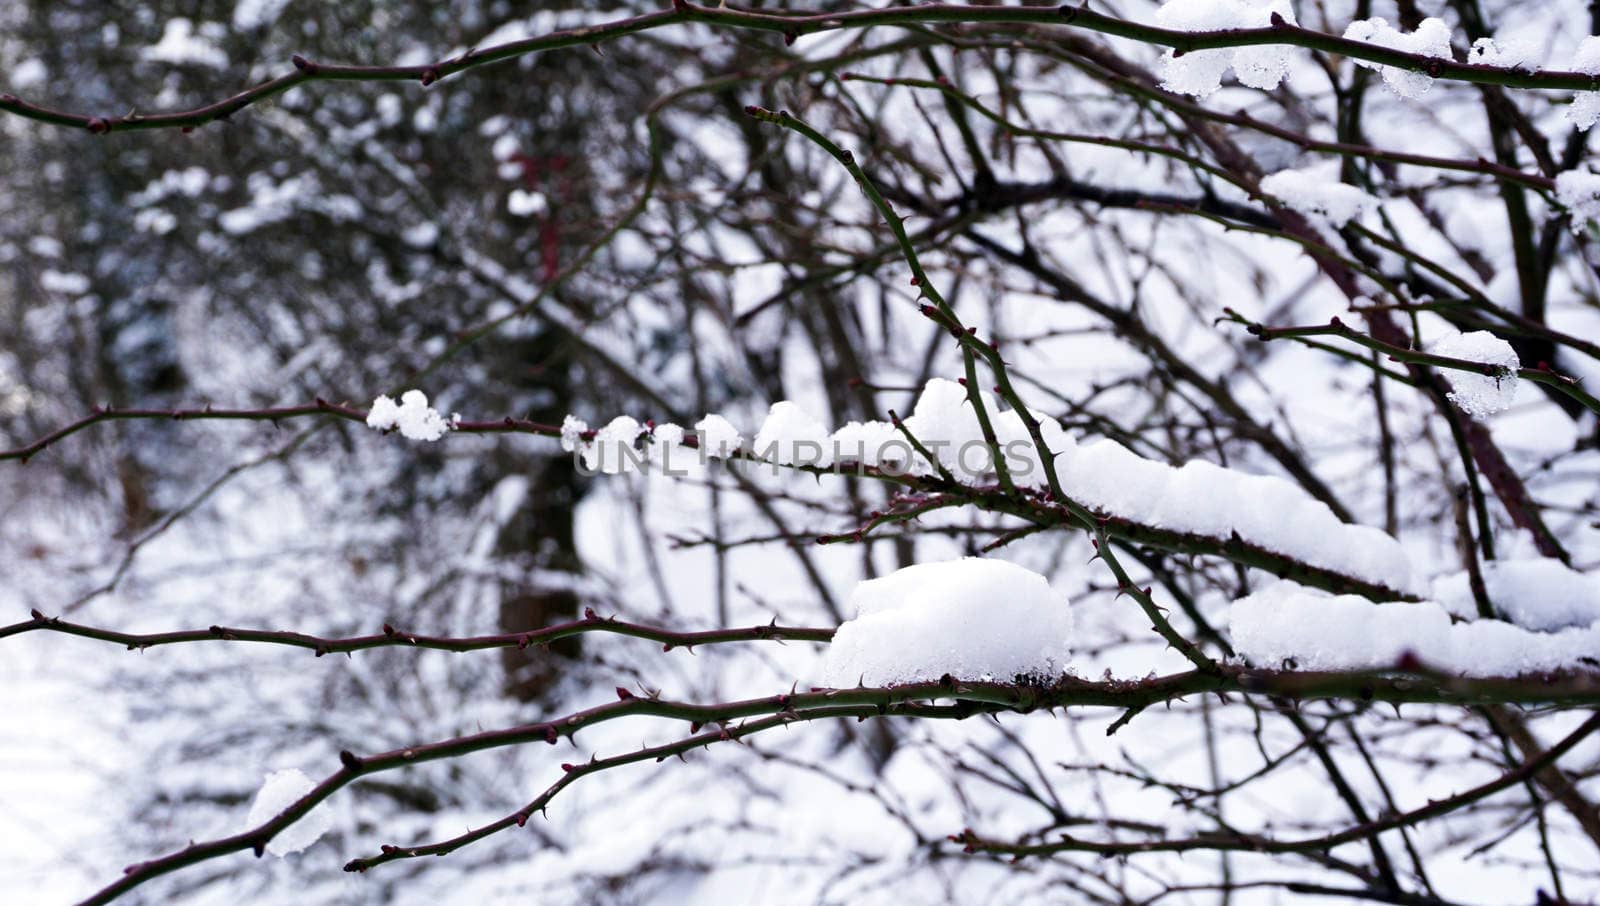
x: 1317, y: 192
x: 1200, y: 72
x: 180, y: 44
x: 1542, y: 595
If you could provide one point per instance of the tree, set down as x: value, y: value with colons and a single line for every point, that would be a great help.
x: 1266, y: 324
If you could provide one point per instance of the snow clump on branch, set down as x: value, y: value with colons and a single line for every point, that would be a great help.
x: 973, y: 618
x: 1579, y: 192
x: 1315, y: 631
x: 1431, y: 39
x: 281, y: 790
x: 1584, y: 111
x: 1200, y: 72
x: 1481, y: 395
x: 1317, y: 192
x: 413, y: 416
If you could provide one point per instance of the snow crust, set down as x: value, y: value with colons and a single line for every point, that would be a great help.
x: 1541, y: 594
x: 1317, y: 192
x: 973, y: 618
x: 1431, y: 39
x: 1480, y: 395
x: 281, y: 790
x: 412, y: 415
x: 1200, y: 72
x: 1315, y: 631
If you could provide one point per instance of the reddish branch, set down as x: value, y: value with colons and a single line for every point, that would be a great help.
x: 791, y: 27
x: 392, y: 637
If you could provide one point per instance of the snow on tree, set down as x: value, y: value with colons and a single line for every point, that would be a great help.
x: 904, y: 453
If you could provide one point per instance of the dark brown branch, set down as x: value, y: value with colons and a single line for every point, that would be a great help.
x: 792, y: 27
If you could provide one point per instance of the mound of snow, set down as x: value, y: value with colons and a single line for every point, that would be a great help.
x: 1287, y: 622
x: 973, y: 618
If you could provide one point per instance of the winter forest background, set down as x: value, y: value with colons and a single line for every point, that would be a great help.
x: 1302, y: 312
